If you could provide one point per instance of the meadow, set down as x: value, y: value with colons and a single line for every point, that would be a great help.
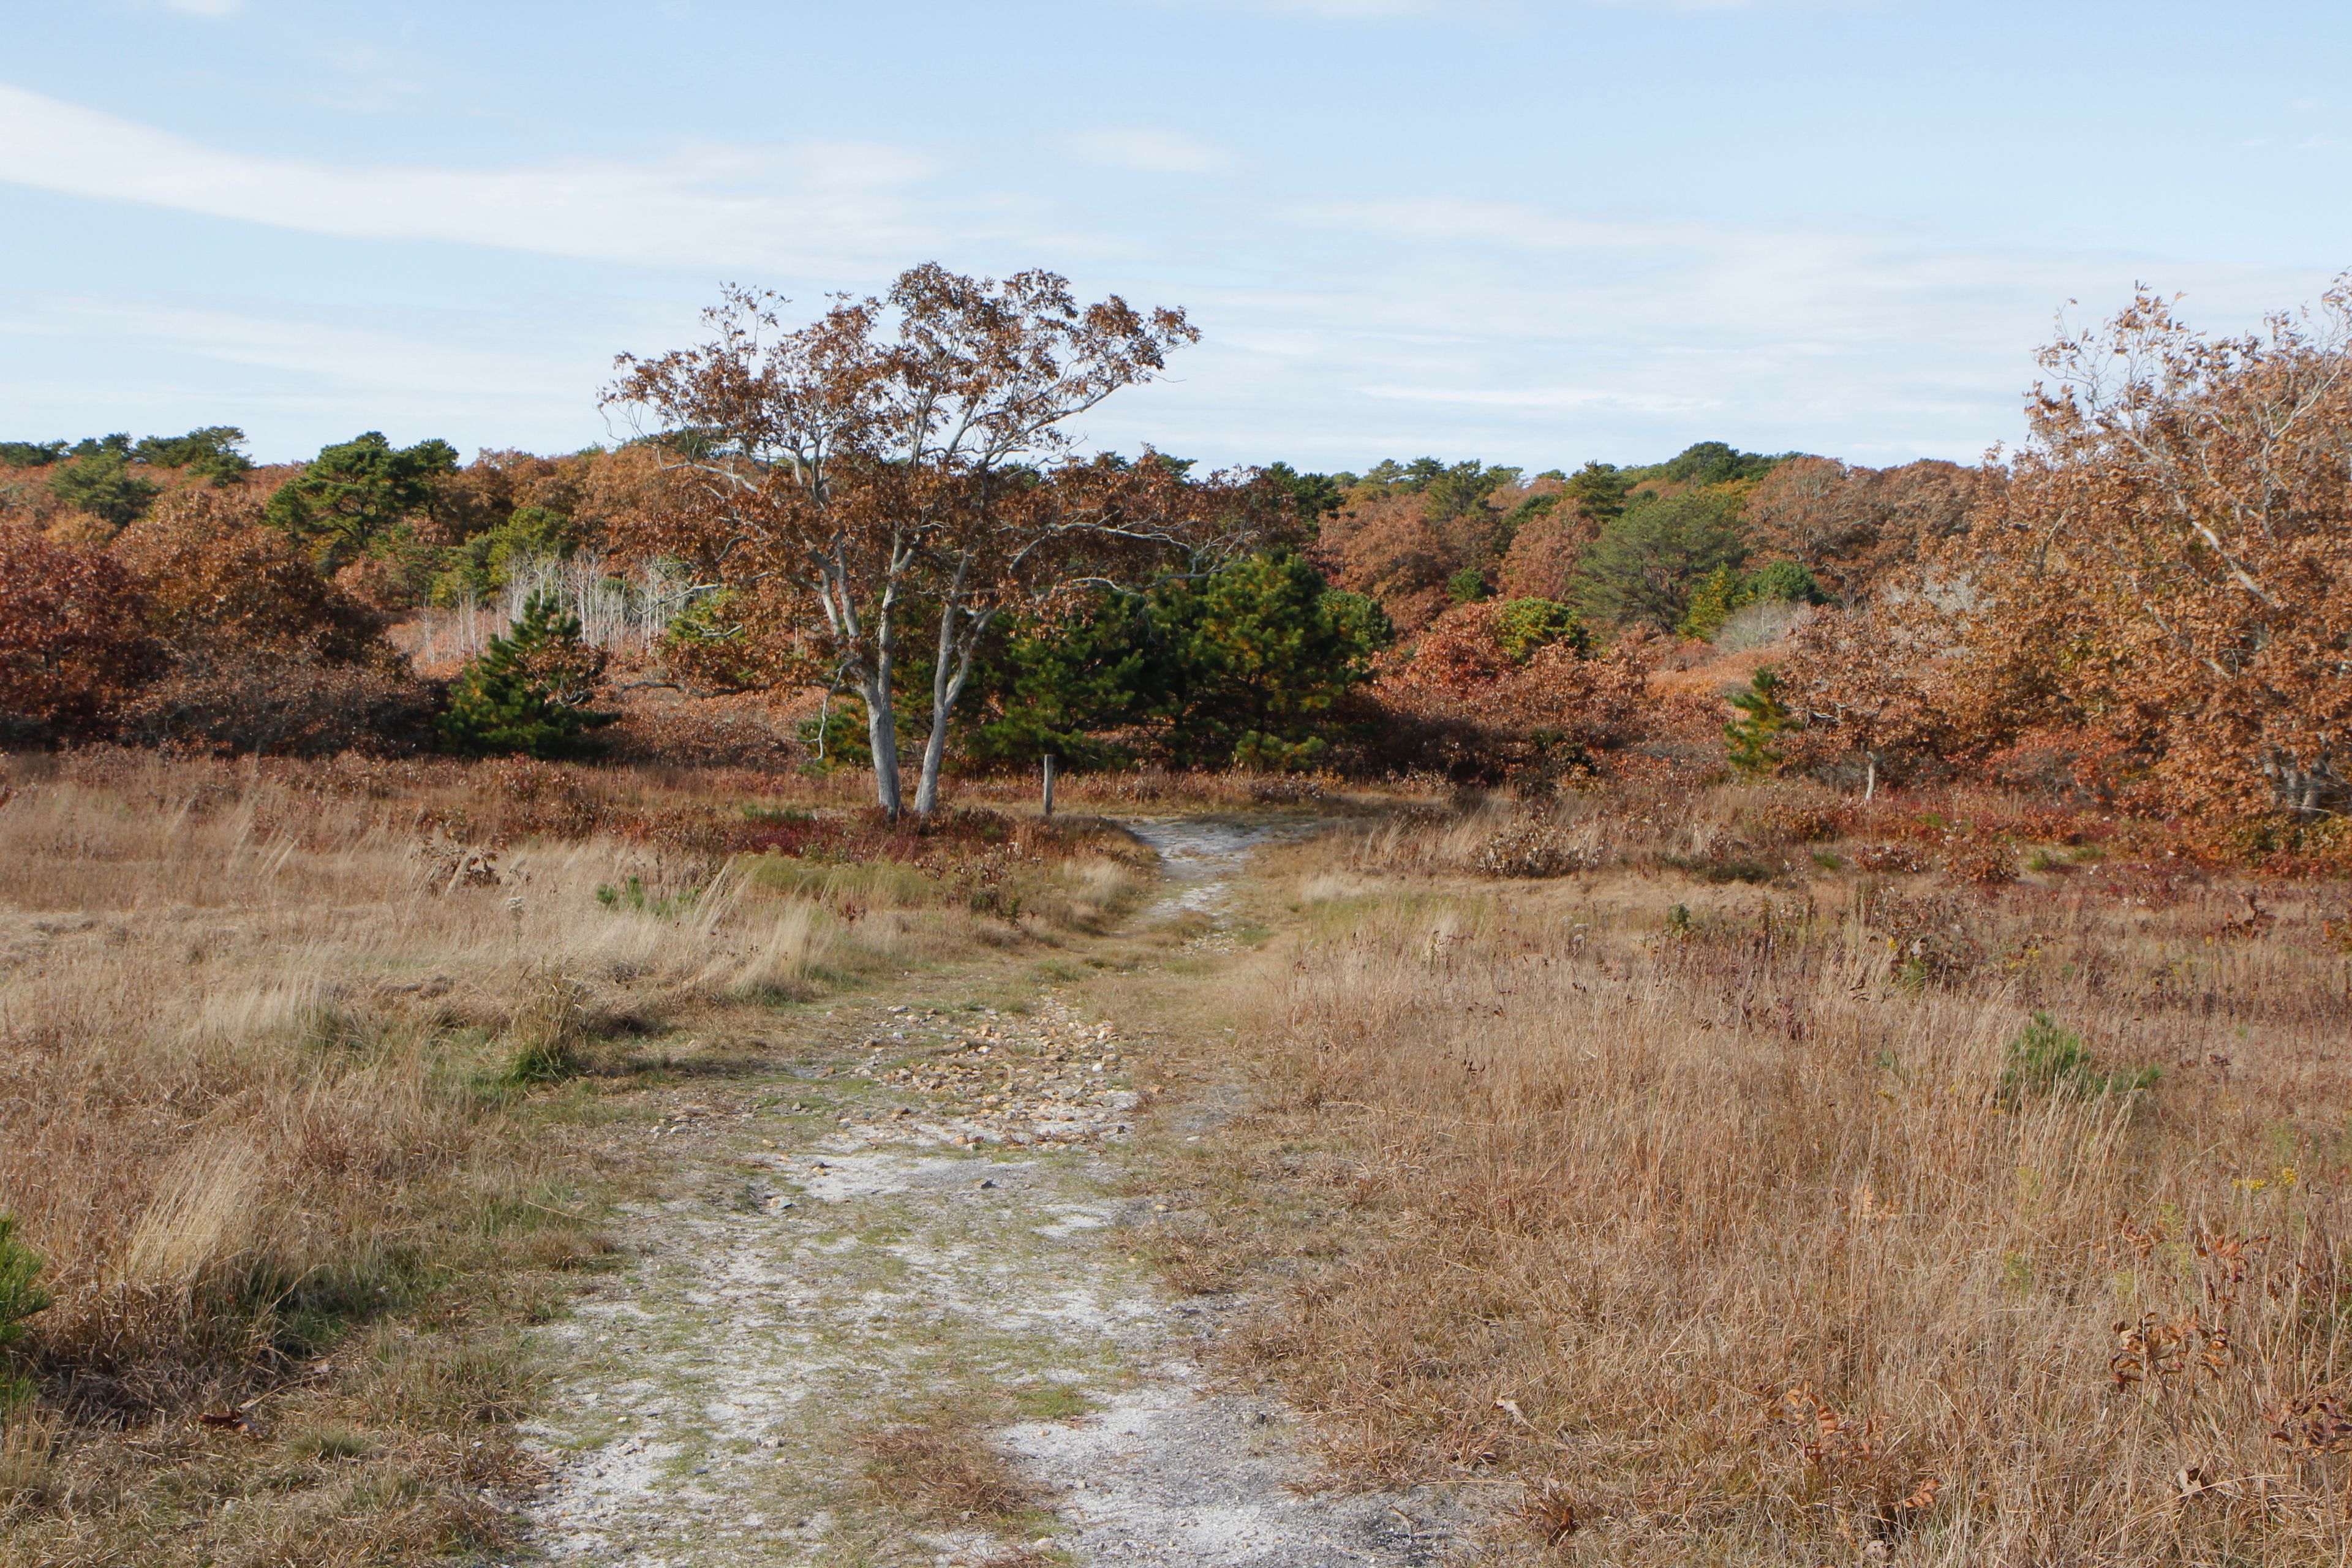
x: 302, y: 1070
x: 1745, y: 1173
x: 1709, y: 1196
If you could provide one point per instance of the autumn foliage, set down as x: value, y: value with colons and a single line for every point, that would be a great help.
x: 2142, y: 609
x: 73, y: 638
x: 2151, y: 597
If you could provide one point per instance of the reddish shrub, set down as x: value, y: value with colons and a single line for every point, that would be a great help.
x: 214, y: 574
x: 73, y: 638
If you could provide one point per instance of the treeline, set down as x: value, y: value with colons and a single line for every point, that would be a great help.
x: 2148, y: 608
x: 169, y: 591
x: 1421, y: 615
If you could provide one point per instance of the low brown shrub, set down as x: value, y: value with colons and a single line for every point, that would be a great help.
x: 229, y: 699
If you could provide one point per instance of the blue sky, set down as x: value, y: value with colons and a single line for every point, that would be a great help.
x: 1528, y: 232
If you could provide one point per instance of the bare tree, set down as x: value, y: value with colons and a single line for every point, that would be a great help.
x: 910, y: 461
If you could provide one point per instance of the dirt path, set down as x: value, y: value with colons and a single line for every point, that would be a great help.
x: 905, y: 1252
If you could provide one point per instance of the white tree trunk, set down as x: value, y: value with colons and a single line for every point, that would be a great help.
x: 882, y: 737
x: 935, y: 746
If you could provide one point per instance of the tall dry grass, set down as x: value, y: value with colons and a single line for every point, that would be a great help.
x: 269, y: 1039
x: 1710, y: 1223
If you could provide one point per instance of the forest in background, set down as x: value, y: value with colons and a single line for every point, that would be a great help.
x: 2136, y: 612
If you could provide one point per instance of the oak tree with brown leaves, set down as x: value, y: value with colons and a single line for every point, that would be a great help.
x: 904, y: 466
x: 2177, y: 542
x: 2164, y: 570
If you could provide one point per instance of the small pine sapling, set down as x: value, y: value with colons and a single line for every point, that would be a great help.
x: 1751, y: 738
x: 2048, y: 1061
x: 19, y: 1300
x: 528, y: 690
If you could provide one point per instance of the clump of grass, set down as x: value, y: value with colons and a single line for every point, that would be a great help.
x: 949, y: 1474
x: 631, y: 895
x: 20, y: 1298
x: 549, y: 1031
x: 331, y: 1440
x: 2047, y: 1060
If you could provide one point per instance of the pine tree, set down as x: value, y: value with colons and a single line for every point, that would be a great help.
x: 1763, y: 716
x: 528, y: 691
x: 19, y: 1300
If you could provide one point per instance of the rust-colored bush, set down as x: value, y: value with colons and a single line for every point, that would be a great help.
x: 73, y: 638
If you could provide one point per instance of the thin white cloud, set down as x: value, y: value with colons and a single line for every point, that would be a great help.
x: 204, y: 7
x: 1542, y: 397
x: 1354, y: 10
x: 1142, y: 150
x: 1392, y: 10
x: 811, y: 206
x: 1336, y: 332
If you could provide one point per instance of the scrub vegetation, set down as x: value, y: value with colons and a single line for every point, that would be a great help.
x: 1803, y: 1019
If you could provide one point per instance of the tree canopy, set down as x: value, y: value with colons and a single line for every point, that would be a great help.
x: 906, y: 459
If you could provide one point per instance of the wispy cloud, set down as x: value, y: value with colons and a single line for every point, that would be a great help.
x: 1392, y: 10
x: 1336, y: 331
x: 1542, y: 397
x: 827, y: 208
x: 1145, y: 151
x: 1355, y: 10
x: 204, y: 7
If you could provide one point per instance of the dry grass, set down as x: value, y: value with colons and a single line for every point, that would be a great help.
x: 267, y: 1044
x: 1704, y: 1220
x: 949, y: 1474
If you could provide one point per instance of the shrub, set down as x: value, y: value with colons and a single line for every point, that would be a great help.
x: 72, y: 638
x: 224, y: 697
x: 1523, y: 625
x: 212, y: 574
x: 103, y: 486
x: 1750, y: 738
x: 528, y: 691
x: 1726, y: 591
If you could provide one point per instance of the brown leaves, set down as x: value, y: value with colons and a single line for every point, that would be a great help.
x: 1824, y: 1435
x: 72, y: 639
x: 2312, y: 1423
x: 1492, y: 712
x: 2161, y: 1352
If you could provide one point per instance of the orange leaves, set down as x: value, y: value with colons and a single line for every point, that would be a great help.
x: 2160, y: 1353
x: 72, y: 639
x: 1822, y: 1435
x: 1549, y: 713
x: 1851, y: 1463
x: 214, y: 574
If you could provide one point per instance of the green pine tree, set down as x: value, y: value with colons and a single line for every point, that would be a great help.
x: 19, y: 1300
x: 528, y: 690
x: 1762, y: 717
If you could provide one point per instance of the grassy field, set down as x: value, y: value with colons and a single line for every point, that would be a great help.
x: 300, y: 1080
x: 1744, y: 1176
x: 1714, y: 1200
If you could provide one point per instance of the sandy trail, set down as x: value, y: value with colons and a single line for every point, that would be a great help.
x: 802, y: 1289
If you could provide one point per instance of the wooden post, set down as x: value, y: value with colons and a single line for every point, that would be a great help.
x: 1049, y: 783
